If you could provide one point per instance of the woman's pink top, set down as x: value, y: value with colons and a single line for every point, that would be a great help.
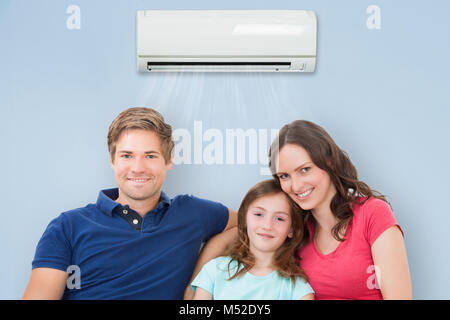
x: 349, y: 272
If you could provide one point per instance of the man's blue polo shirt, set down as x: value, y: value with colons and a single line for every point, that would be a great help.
x: 118, y: 261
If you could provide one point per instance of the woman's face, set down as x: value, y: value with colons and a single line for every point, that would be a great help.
x: 308, y: 185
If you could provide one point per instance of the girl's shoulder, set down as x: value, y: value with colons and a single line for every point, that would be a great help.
x: 223, y: 262
x: 300, y: 288
x: 223, y: 267
x: 219, y: 261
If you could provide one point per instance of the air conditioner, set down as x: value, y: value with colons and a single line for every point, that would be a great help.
x: 224, y: 41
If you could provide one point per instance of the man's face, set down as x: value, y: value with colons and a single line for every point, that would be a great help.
x: 139, y: 165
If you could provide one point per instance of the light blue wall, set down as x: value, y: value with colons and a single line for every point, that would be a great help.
x: 382, y: 94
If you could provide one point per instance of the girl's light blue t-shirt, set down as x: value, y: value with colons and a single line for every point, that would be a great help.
x: 214, y: 278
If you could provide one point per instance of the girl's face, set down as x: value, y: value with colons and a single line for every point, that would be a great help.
x: 308, y: 185
x: 268, y: 223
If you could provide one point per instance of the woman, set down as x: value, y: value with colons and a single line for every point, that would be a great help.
x: 355, y: 248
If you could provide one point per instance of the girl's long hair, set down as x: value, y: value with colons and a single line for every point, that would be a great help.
x: 325, y: 154
x: 286, y: 260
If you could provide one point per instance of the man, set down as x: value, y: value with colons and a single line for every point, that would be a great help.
x: 135, y: 242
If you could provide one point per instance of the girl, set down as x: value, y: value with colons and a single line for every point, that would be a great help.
x: 356, y: 248
x: 263, y: 263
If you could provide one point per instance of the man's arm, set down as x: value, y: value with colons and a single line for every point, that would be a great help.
x: 215, y: 247
x: 219, y: 244
x: 202, y: 294
x: 46, y: 284
x: 232, y: 220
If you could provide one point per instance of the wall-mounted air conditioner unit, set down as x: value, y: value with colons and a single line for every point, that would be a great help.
x: 230, y: 40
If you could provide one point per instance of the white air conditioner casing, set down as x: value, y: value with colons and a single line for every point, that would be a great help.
x: 227, y: 40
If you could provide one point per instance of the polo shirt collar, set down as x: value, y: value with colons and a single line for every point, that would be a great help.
x: 105, y: 200
x: 106, y: 203
x: 164, y: 199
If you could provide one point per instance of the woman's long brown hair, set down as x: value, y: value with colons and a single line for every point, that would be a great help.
x: 286, y: 259
x: 325, y: 154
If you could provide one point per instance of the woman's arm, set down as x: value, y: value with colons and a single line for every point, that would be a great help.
x: 391, y: 265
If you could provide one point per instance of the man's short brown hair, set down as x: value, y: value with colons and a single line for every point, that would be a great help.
x: 145, y: 119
